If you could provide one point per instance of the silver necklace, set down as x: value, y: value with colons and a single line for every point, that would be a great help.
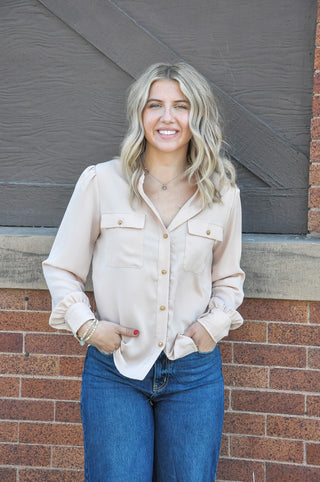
x: 164, y: 185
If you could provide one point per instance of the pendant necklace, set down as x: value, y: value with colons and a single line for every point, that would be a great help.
x: 164, y: 185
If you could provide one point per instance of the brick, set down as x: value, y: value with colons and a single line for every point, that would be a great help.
x: 316, y: 98
x: 314, y: 174
x: 244, y: 423
x: 224, y: 450
x: 315, y: 312
x: 24, y: 321
x: 275, y: 310
x: 314, y: 358
x: 71, y: 366
x: 294, y: 380
x: 8, y: 432
x: 69, y: 412
x: 58, y: 475
x: 51, y: 389
x: 316, y: 90
x: 54, y: 344
x: 267, y: 449
x: 314, y: 221
x: 315, y: 152
x: 269, y: 355
x: 50, y: 433
x: 318, y: 36
x: 291, y: 334
x: 293, y: 427
x: 11, y: 342
x: 313, y: 454
x: 12, y: 299
x: 241, y: 376
x: 240, y: 470
x: 12, y: 409
x: 8, y: 475
x: 26, y: 455
x: 227, y: 398
x: 68, y: 457
x: 267, y: 402
x: 29, y: 365
x: 38, y: 300
x: 9, y: 386
x: 313, y: 406
x: 225, y: 351
x: 314, y: 197
x: 294, y: 473
x: 254, y: 332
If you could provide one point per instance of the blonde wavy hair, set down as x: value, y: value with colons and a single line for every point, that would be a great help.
x: 205, y: 153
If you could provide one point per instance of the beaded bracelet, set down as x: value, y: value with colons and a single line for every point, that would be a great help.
x: 89, y: 332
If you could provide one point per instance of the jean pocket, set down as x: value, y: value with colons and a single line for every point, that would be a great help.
x: 206, y: 353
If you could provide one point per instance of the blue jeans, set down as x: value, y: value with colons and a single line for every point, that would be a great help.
x: 164, y: 428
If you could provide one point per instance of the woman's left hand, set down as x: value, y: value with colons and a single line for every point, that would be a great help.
x: 200, y: 336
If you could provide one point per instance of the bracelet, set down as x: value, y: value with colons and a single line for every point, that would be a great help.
x: 89, y: 331
x: 93, y: 329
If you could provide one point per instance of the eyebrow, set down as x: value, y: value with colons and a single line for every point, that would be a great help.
x: 175, y: 101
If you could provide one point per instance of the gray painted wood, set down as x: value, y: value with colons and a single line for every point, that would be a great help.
x: 62, y: 99
x: 273, y: 264
x: 122, y: 40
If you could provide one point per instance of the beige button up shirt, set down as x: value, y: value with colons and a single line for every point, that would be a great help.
x: 145, y: 275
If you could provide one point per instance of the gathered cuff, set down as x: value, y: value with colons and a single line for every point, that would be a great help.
x: 220, y: 319
x: 71, y: 313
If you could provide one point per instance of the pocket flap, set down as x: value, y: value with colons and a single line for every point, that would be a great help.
x: 205, y: 230
x: 123, y: 220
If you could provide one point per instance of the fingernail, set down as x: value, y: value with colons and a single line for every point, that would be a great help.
x: 136, y: 332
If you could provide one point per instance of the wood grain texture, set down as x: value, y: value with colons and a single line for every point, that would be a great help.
x: 65, y: 74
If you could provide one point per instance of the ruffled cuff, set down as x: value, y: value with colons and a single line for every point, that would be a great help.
x: 219, y: 320
x: 71, y: 313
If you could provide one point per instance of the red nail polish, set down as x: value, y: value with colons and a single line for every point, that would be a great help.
x: 136, y: 332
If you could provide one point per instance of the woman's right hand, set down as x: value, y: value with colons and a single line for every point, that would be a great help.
x: 107, y: 336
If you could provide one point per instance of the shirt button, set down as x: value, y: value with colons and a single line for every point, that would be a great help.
x: 208, y: 232
x: 162, y: 308
x: 120, y: 222
x: 164, y: 271
x: 160, y: 344
x: 165, y: 236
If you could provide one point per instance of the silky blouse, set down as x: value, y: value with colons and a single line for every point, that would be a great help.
x: 146, y: 276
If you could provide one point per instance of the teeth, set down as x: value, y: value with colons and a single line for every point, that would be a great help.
x: 167, y: 133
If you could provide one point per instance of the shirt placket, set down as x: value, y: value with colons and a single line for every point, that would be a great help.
x: 163, y: 287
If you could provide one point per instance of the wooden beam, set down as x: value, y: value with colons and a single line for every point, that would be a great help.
x: 131, y: 47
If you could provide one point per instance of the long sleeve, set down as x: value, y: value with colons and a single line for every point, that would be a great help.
x: 68, y: 264
x: 227, y: 278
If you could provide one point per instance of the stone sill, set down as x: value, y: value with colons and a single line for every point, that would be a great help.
x: 276, y: 266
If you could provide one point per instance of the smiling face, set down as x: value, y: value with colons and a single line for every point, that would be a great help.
x: 165, y: 119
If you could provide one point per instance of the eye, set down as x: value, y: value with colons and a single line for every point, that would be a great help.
x: 154, y: 105
x: 181, y: 107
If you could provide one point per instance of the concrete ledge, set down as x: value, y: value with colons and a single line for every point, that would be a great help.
x: 276, y: 266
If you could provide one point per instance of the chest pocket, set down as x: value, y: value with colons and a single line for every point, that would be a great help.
x: 122, y: 237
x: 200, y: 240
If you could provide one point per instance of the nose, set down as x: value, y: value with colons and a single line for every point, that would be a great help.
x: 166, y: 114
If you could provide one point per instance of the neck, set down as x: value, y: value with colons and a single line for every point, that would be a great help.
x: 164, y: 166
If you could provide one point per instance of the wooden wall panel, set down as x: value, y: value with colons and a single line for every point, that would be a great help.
x: 67, y: 65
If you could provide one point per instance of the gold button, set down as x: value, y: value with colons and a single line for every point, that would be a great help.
x: 165, y: 236
x: 160, y: 344
x: 164, y: 271
x: 162, y: 308
x: 208, y: 232
x: 120, y: 222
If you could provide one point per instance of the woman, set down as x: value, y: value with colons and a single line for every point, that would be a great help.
x: 162, y: 226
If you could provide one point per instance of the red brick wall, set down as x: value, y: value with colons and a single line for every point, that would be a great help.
x: 314, y: 178
x: 272, y: 378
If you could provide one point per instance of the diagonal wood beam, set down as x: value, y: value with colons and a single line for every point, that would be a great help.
x: 131, y: 47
